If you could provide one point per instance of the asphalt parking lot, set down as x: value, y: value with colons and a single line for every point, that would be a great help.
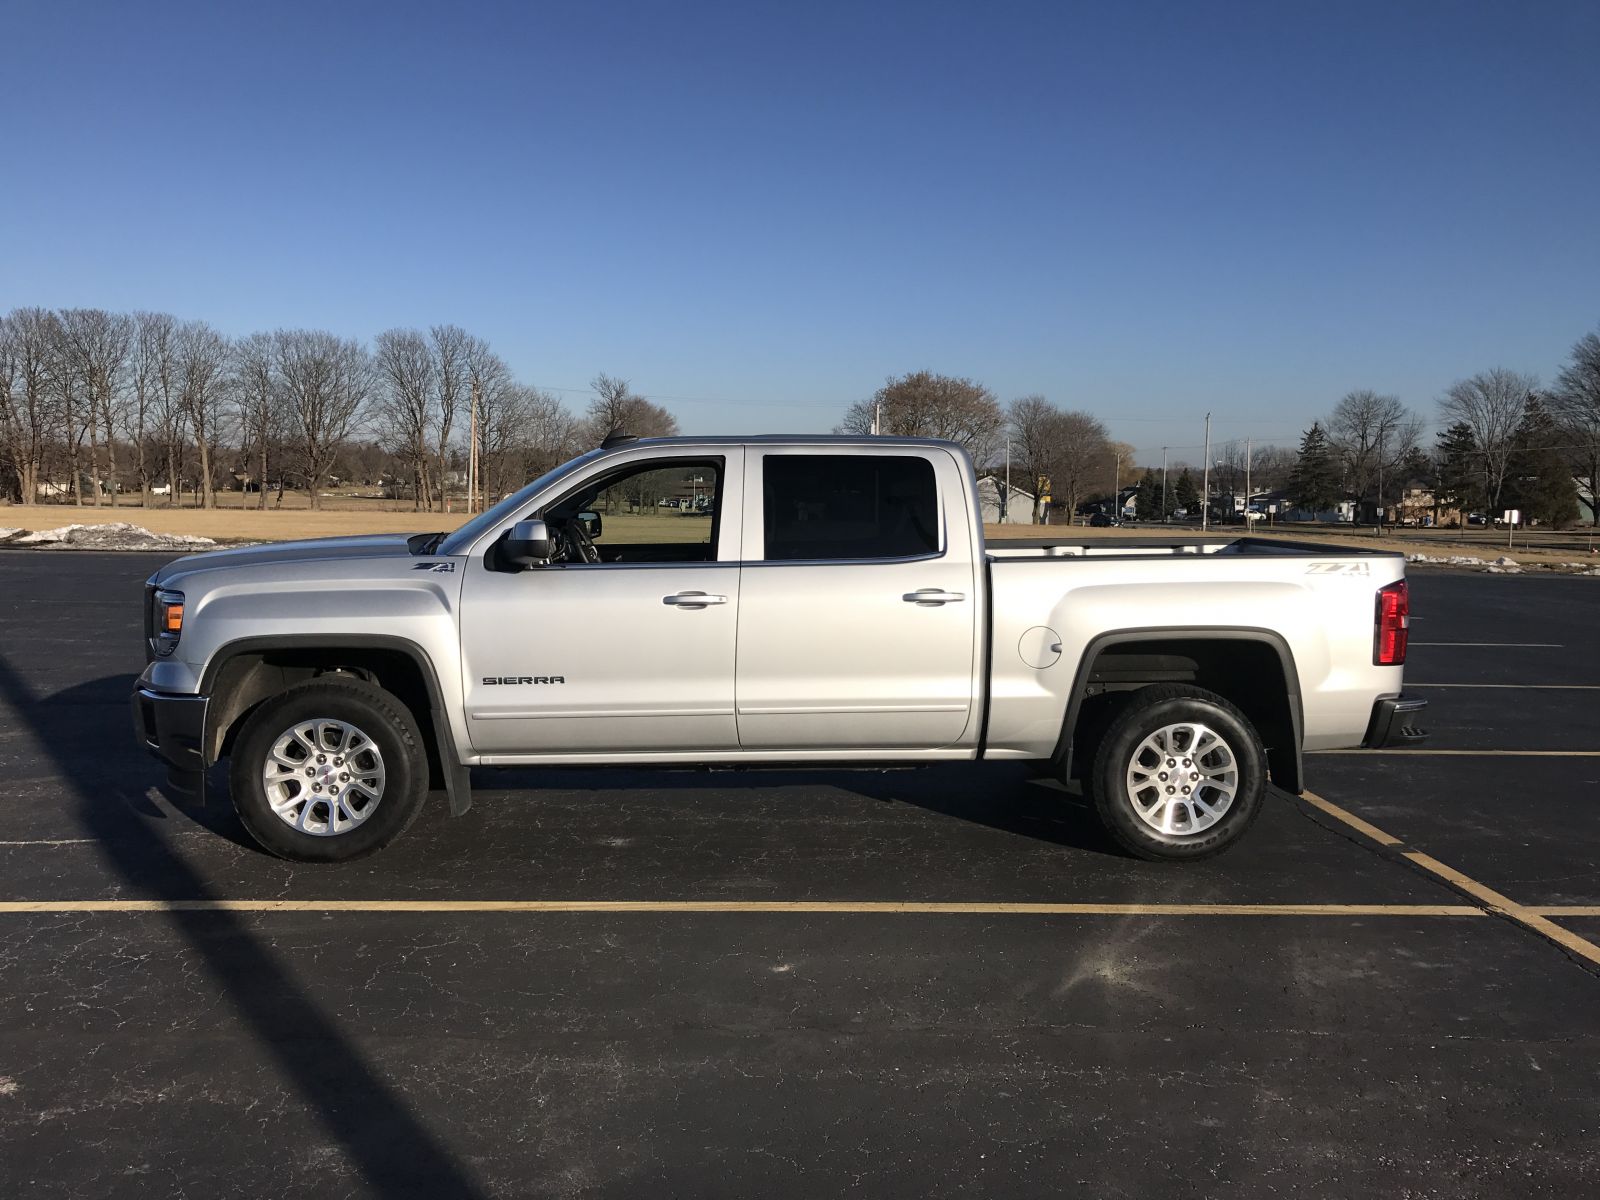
x: 897, y: 983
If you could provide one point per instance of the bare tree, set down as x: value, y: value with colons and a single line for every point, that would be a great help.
x: 923, y: 404
x: 152, y: 337
x: 1491, y: 404
x: 258, y: 396
x: 1032, y: 421
x: 1371, y: 435
x: 203, y: 358
x: 1576, y: 402
x: 161, y: 343
x: 616, y: 409
x: 489, y: 386
x: 407, y: 377
x: 526, y: 433
x: 29, y: 410
x: 328, y: 381
x: 451, y: 349
x: 1066, y: 452
x: 97, y: 344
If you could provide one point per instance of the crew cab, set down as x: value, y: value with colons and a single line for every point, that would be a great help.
x: 804, y: 601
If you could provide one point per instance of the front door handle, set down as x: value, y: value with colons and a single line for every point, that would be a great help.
x: 693, y: 599
x: 932, y: 596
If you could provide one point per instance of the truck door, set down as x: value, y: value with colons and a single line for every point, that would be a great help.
x: 859, y: 604
x: 633, y: 652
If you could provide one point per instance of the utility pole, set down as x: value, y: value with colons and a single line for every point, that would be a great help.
x: 1205, y: 495
x: 1005, y: 500
x: 1163, y: 485
x: 472, y: 453
x: 1116, y: 486
x: 877, y: 418
x: 1378, y: 528
x: 1247, y: 443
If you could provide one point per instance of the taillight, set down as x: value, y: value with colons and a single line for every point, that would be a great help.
x: 1392, y: 625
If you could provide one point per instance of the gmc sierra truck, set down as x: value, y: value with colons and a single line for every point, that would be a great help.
x: 751, y: 601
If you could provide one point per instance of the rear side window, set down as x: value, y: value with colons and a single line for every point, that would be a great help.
x: 849, y: 506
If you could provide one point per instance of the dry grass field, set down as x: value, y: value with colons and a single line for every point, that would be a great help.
x: 348, y: 514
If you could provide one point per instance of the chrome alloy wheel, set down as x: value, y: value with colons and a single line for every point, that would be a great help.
x: 1182, y: 778
x: 323, y: 777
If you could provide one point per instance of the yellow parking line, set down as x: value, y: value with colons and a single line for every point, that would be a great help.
x: 1534, y: 687
x: 1350, y: 819
x: 1535, y: 919
x: 1475, y: 753
x: 743, y: 906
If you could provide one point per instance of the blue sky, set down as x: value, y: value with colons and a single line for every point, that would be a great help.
x: 758, y: 211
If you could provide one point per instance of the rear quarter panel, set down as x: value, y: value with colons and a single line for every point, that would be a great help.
x: 1321, y: 605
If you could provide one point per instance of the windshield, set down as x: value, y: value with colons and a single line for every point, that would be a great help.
x: 461, y: 540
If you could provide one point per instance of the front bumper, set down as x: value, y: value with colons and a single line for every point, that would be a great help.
x: 171, y: 727
x: 1394, y: 723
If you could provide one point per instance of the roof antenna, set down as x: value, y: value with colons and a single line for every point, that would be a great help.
x: 618, y: 438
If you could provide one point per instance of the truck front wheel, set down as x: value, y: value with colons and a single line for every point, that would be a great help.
x: 329, y: 770
x: 1179, y: 774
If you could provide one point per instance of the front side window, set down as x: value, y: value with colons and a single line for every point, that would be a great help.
x: 652, y: 512
x: 849, y: 506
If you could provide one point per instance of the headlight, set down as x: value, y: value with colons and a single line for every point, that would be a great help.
x: 167, y: 624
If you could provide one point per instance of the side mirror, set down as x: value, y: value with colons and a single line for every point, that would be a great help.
x: 591, y: 523
x: 528, y: 544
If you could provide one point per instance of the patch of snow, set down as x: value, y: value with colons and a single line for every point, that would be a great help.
x: 1452, y: 560
x: 9, y: 533
x: 119, y: 535
x: 1504, y: 561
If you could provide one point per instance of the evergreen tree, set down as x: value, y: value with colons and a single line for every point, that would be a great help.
x: 1459, y: 471
x: 1147, y: 502
x: 1538, y: 475
x: 1314, y: 483
x: 1186, y: 495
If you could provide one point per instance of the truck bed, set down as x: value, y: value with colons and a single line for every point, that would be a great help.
x: 1024, y: 549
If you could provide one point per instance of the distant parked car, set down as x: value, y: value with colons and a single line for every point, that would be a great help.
x: 1101, y: 521
x: 1477, y: 519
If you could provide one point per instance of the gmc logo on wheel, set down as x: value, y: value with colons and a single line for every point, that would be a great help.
x: 506, y: 680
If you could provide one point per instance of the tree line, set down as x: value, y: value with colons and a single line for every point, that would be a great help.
x: 96, y: 406
x: 1065, y: 454
x: 1506, y: 443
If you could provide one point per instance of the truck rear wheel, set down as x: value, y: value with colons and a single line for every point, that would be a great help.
x: 329, y: 770
x: 1179, y: 774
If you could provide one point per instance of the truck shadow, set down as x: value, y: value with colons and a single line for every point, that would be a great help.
x: 1007, y: 797
x: 395, y: 1152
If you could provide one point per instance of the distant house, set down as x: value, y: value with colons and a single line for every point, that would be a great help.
x: 1019, y: 504
x: 1280, y: 508
x: 1586, y: 502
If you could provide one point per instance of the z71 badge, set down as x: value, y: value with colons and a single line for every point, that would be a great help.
x: 442, y: 567
x: 1338, y: 568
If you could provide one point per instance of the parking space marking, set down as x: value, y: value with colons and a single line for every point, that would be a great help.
x: 1511, y: 645
x: 745, y: 906
x: 1535, y: 919
x: 1471, y: 753
x: 1551, y: 687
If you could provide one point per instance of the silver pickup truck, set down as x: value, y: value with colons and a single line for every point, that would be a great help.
x: 740, y: 601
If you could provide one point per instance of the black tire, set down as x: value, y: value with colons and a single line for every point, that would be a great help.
x: 1145, y: 713
x: 376, y: 714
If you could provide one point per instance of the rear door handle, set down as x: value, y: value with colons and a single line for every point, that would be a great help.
x: 693, y: 599
x: 932, y: 596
